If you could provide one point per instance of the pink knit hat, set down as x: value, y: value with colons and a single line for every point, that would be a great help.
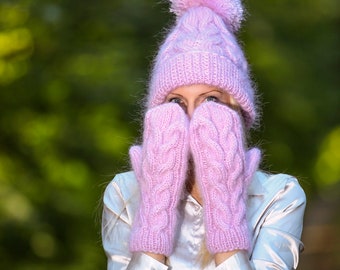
x: 202, y: 49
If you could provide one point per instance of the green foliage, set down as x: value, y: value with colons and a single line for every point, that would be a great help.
x: 72, y: 74
x: 293, y: 49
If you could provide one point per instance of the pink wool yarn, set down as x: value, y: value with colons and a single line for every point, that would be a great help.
x: 230, y: 11
x: 160, y: 165
x: 223, y: 169
x: 201, y: 49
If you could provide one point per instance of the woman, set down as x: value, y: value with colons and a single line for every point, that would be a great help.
x: 195, y: 198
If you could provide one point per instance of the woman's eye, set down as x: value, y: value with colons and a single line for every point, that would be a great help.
x: 175, y: 100
x: 212, y: 98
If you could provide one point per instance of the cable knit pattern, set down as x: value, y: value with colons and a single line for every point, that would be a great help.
x: 202, y: 49
x: 223, y: 170
x: 160, y: 165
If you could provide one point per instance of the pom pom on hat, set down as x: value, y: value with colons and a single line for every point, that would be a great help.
x: 231, y: 11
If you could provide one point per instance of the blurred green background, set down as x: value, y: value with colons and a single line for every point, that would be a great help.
x: 72, y: 74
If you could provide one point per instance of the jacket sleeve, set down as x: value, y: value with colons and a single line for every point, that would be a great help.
x: 277, y: 245
x: 116, y: 227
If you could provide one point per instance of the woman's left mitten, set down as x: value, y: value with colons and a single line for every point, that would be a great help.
x: 223, y: 168
x: 160, y: 165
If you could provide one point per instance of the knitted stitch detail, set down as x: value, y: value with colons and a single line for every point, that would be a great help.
x: 160, y: 166
x: 202, y: 49
x: 223, y: 171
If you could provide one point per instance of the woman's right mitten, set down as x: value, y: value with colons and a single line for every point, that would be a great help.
x: 160, y: 165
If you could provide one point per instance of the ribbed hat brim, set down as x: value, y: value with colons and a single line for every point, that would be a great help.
x: 199, y: 67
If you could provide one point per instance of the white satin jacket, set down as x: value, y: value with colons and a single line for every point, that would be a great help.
x: 275, y: 210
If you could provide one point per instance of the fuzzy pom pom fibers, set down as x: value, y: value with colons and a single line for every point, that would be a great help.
x: 231, y: 11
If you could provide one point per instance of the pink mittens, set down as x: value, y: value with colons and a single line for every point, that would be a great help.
x: 223, y: 171
x: 160, y: 165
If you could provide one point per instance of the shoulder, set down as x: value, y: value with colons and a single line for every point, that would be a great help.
x: 281, y: 183
x: 122, y: 191
x: 276, y: 200
x: 277, y: 188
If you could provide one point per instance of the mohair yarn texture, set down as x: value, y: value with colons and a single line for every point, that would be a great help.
x: 201, y: 48
x: 223, y: 170
x: 160, y: 165
x: 230, y: 11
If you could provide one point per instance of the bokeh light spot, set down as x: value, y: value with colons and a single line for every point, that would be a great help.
x: 43, y: 244
x: 327, y: 167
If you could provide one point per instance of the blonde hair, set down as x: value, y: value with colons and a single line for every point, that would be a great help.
x: 205, y: 256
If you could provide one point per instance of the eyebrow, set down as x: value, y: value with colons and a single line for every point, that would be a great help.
x: 174, y: 94
x: 214, y: 90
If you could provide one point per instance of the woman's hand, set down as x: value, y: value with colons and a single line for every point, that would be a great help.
x: 160, y: 165
x: 223, y: 169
